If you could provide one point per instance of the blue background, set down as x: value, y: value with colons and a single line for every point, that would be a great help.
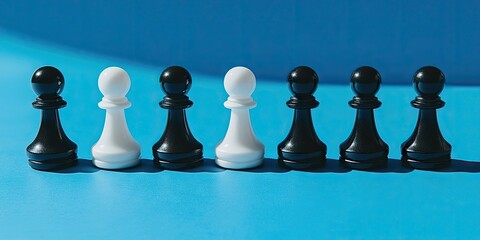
x: 208, y: 202
x: 270, y: 37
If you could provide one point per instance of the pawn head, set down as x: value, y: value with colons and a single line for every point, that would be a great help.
x: 428, y: 82
x: 239, y: 82
x: 114, y: 82
x: 302, y: 81
x: 175, y: 81
x: 365, y: 81
x: 47, y: 81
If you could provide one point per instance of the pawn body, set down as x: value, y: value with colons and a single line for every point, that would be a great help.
x: 302, y: 149
x: 177, y: 148
x: 240, y: 149
x: 51, y: 149
x: 426, y: 148
x: 116, y: 148
x: 364, y: 149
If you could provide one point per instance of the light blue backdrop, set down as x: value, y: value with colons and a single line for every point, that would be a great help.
x: 270, y: 37
x: 208, y: 202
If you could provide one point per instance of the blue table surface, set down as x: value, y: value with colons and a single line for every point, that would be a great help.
x: 209, y: 202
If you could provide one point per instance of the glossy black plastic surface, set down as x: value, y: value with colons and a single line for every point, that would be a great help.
x: 302, y: 149
x: 177, y: 148
x: 426, y: 148
x: 364, y: 149
x: 51, y: 149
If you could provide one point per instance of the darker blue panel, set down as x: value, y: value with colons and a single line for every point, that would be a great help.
x: 270, y: 37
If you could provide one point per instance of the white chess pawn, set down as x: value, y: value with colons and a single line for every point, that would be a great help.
x: 116, y: 148
x: 240, y: 149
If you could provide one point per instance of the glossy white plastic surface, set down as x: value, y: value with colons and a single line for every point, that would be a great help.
x: 116, y: 148
x: 240, y: 149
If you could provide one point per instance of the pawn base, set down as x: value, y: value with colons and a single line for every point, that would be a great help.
x: 239, y: 157
x: 174, y: 165
x: 430, y: 164
x: 364, y: 165
x: 178, y: 161
x: 301, y: 161
x: 239, y: 165
x: 106, y: 158
x: 53, y: 164
x: 115, y: 165
x: 304, y: 164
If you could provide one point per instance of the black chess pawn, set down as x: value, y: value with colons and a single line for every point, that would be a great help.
x: 302, y: 149
x: 364, y: 149
x: 177, y: 148
x: 426, y: 148
x: 51, y: 149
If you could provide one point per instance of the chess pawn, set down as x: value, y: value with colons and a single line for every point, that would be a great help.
x: 240, y: 149
x: 51, y: 149
x: 116, y: 148
x: 426, y: 148
x: 364, y: 149
x: 302, y: 149
x: 177, y: 148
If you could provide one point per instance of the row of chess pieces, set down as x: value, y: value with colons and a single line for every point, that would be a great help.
x: 240, y: 149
